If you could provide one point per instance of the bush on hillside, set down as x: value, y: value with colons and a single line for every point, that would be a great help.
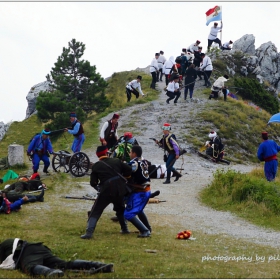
x: 236, y: 187
x: 251, y: 89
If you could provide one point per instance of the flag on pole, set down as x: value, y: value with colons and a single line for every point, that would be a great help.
x: 213, y: 14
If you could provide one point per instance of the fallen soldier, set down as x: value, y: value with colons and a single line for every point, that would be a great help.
x: 37, y: 259
x: 6, y: 206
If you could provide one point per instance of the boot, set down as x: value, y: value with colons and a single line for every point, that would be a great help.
x: 31, y: 198
x: 123, y: 223
x: 40, y: 197
x: 156, y: 193
x: 93, y: 266
x: 177, y: 175
x: 90, y: 228
x: 143, y: 218
x: 47, y: 272
x: 45, y: 170
x: 144, y: 232
x: 167, y: 181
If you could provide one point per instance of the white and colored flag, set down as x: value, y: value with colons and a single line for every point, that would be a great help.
x: 214, y: 14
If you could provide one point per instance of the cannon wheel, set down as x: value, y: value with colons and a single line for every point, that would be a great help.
x: 60, y: 162
x: 79, y: 164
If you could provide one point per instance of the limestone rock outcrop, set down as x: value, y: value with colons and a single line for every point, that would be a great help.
x: 32, y: 97
x: 245, y: 44
x: 3, y: 129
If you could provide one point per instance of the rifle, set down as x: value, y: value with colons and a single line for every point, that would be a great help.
x: 77, y: 197
x: 58, y: 130
x: 155, y: 200
x: 153, y: 139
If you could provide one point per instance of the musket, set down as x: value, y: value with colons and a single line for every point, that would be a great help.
x: 58, y: 130
x: 77, y: 197
x: 37, y: 191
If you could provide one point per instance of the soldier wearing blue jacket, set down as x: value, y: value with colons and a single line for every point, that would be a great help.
x: 267, y: 152
x: 39, y: 149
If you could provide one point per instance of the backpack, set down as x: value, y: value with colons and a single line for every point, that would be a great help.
x: 120, y: 150
x: 178, y: 59
x: 34, y: 136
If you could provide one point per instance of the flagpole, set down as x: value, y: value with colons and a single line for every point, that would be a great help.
x: 221, y: 30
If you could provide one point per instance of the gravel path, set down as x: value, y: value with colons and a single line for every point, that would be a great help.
x: 183, y: 206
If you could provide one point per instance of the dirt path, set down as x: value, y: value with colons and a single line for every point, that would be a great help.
x: 183, y: 205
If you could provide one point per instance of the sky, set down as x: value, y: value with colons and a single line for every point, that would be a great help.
x: 119, y: 36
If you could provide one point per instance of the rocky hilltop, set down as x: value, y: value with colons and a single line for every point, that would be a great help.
x: 262, y: 63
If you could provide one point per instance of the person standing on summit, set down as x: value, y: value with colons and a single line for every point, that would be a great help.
x: 213, y: 35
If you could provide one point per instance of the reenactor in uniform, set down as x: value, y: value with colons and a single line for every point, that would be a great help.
x: 137, y: 200
x: 169, y: 144
x: 111, y: 187
x: 37, y: 259
x: 109, y: 133
x: 78, y: 133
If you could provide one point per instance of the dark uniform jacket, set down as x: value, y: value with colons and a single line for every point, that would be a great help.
x: 22, y: 186
x: 101, y: 175
x: 190, y: 76
x: 6, y: 248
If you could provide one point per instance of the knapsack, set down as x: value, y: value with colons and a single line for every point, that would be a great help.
x: 178, y: 59
x: 120, y: 150
x: 34, y: 136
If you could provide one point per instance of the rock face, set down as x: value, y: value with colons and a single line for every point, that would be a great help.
x: 32, y: 97
x: 3, y: 129
x: 245, y: 44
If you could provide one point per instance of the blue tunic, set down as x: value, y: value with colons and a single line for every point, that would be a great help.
x: 267, y: 152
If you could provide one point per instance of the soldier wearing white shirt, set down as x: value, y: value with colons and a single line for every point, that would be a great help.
x: 132, y: 87
x: 206, y: 67
x: 194, y: 47
x: 161, y: 60
x: 153, y: 70
x: 213, y: 35
x: 218, y: 85
x: 167, y: 68
x: 173, y: 88
x: 226, y: 46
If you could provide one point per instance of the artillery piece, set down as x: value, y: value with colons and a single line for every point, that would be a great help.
x: 78, y: 164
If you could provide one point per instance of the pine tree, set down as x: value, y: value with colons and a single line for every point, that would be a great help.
x: 76, y: 86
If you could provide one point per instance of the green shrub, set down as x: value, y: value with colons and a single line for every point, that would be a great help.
x: 233, y: 187
x: 251, y: 89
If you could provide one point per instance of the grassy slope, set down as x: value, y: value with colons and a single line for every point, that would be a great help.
x: 59, y: 222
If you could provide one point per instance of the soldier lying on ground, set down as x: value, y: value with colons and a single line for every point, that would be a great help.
x: 23, y: 186
x: 6, y: 206
x: 37, y: 259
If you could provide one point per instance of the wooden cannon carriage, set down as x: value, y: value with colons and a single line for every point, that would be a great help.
x: 78, y: 164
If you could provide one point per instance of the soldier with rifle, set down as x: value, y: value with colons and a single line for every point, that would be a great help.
x: 141, y: 192
x: 172, y: 152
x: 107, y: 177
x: 39, y: 149
x: 216, y: 144
x: 78, y: 132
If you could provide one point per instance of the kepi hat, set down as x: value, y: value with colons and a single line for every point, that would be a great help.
x: 73, y: 115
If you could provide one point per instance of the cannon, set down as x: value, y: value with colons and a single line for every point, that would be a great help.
x: 78, y: 164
